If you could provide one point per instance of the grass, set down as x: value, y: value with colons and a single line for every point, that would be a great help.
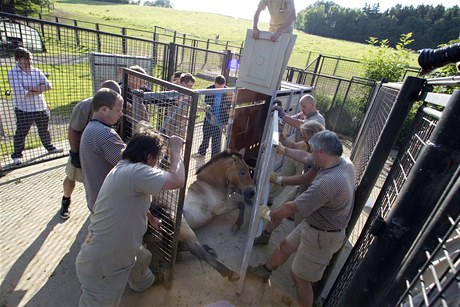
x: 199, y: 24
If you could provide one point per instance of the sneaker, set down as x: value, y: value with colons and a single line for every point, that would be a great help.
x: 17, y: 161
x: 55, y: 150
x: 263, y: 239
x: 259, y: 271
x: 65, y: 204
x: 197, y: 155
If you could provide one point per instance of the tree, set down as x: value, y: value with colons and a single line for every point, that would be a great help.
x: 159, y: 3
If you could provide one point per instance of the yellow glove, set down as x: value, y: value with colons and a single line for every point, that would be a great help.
x: 274, y: 178
x: 281, y: 149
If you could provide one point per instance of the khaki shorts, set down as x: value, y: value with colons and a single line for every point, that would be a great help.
x: 73, y: 172
x: 315, y: 250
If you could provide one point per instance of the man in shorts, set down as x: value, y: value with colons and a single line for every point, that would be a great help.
x: 81, y: 115
x: 326, y: 207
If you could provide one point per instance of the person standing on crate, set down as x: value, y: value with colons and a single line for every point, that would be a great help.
x: 28, y: 84
x: 282, y: 17
x: 217, y: 108
x: 113, y: 255
x: 307, y: 112
x: 326, y: 207
x: 81, y: 115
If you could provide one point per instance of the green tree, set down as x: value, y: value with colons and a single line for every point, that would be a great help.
x: 386, y: 62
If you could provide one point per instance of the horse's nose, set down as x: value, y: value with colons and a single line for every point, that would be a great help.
x: 249, y: 193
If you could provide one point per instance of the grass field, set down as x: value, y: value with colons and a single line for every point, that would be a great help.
x: 203, y: 25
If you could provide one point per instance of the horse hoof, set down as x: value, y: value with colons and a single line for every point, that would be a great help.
x: 233, y: 277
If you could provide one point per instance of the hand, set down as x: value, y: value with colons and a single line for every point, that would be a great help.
x: 75, y: 159
x: 280, y: 110
x: 281, y: 149
x: 231, y: 112
x: 275, y: 36
x: 224, y: 129
x: 208, y: 108
x: 154, y: 221
x: 274, y: 178
x: 255, y: 33
x: 138, y: 93
x: 175, y: 144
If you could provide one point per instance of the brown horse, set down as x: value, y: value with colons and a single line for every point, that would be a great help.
x: 224, y: 183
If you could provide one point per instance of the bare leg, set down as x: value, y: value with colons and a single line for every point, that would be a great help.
x: 69, y: 186
x: 304, y: 291
x: 280, y: 255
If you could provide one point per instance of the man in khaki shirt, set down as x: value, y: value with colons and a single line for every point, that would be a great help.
x: 282, y: 17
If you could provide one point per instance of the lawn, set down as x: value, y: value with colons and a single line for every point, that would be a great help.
x: 200, y: 25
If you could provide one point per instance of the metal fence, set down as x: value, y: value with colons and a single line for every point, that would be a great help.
x: 415, y: 216
x: 69, y: 64
x: 157, y: 33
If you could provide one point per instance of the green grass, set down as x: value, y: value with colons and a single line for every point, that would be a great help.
x: 199, y: 24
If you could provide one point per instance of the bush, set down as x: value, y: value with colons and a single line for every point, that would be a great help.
x: 387, y: 63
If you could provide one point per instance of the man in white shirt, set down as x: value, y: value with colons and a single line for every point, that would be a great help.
x: 28, y: 84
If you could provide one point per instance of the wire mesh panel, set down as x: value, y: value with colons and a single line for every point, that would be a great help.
x: 170, y: 110
x: 372, y: 127
x: 203, y: 64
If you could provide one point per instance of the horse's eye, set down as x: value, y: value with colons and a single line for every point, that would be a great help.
x: 243, y: 173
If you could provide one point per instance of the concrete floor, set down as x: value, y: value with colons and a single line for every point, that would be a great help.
x: 38, y: 251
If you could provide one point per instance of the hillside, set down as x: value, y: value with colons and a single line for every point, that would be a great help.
x: 199, y: 24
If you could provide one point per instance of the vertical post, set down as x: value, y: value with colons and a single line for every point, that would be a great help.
x: 77, y: 38
x: 124, y: 47
x: 318, y: 60
x: 225, y: 71
x: 171, y: 60
x: 58, y: 29
x: 98, y: 38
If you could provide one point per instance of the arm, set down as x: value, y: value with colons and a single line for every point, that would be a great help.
x: 286, y: 24
x: 175, y: 179
x: 74, y: 139
x: 255, y: 30
x: 290, y: 144
x: 301, y: 179
x: 298, y: 155
x: 285, y: 210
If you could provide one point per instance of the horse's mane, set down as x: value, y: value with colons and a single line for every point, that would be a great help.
x: 222, y: 155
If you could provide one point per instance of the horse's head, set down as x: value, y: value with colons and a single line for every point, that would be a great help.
x: 239, y: 178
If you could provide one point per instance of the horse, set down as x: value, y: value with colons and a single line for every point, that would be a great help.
x: 224, y: 183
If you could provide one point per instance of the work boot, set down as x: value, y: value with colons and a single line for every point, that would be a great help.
x: 260, y: 271
x: 263, y: 239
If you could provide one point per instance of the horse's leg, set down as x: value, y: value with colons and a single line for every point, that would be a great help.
x: 188, y: 237
x: 240, y: 219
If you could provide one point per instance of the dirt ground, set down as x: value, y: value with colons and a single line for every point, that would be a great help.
x: 38, y: 251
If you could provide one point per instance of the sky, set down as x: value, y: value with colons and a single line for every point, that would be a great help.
x: 246, y: 8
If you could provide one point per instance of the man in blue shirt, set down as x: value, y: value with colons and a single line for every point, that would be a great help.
x: 217, y: 107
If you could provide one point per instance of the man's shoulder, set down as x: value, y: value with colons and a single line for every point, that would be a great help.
x: 84, y: 103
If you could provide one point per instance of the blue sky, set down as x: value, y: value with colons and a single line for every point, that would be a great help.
x: 246, y: 8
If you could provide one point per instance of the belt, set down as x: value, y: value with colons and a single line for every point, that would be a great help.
x: 326, y: 230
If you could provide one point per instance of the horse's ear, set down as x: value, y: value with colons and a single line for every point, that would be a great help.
x: 242, y: 151
x: 234, y: 158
